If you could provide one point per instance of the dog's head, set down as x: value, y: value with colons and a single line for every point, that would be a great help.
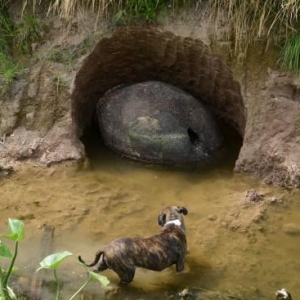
x: 283, y: 294
x: 172, y: 215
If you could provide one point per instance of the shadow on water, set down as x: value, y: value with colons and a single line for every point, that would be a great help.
x: 223, y: 159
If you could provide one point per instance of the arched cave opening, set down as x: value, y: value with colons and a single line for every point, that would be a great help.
x: 134, y: 55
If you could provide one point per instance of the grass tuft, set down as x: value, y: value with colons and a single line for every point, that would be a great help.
x: 123, y: 11
x: 26, y: 33
x: 267, y: 21
x: 290, y: 55
x: 15, y: 40
x: 251, y: 21
x: 246, y: 21
x: 8, y: 70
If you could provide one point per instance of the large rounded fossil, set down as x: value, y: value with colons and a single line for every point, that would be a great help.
x: 157, y: 122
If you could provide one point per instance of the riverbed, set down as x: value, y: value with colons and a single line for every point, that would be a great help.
x: 234, y: 244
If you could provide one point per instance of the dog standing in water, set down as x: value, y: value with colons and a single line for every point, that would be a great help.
x: 156, y: 253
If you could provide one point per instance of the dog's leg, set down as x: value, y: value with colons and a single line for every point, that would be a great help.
x: 126, y: 276
x: 180, y: 265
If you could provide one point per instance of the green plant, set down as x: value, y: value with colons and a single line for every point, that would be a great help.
x: 131, y: 11
x: 122, y: 10
x: 26, y: 33
x: 135, y: 10
x: 53, y: 261
x: 6, y: 30
x: 15, y: 39
x: 249, y: 21
x: 64, y: 56
x: 16, y: 234
x: 8, y: 70
x: 290, y: 54
x: 60, y: 83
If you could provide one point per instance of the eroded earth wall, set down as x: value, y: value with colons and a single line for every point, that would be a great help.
x: 49, y: 107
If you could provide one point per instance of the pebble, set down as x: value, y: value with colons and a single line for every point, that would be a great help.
x: 212, y: 217
x: 291, y: 229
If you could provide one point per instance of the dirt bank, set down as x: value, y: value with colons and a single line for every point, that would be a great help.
x: 48, y: 108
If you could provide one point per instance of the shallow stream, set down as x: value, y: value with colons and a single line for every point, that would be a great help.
x: 234, y: 244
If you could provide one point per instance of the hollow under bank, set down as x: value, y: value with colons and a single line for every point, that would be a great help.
x: 133, y: 55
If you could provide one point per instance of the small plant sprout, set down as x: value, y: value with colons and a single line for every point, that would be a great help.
x: 53, y: 261
x: 16, y: 234
x: 92, y: 276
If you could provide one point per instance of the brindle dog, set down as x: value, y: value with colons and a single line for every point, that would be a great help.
x: 156, y: 253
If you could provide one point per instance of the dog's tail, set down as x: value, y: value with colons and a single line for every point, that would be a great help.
x: 97, y: 258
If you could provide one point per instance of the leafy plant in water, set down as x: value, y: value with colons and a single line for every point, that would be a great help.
x: 53, y: 261
x: 16, y: 234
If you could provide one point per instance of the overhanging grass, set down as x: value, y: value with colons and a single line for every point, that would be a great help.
x: 7, y: 66
x: 290, y: 56
x: 128, y: 11
x: 247, y: 21
x: 251, y: 20
x: 17, y: 39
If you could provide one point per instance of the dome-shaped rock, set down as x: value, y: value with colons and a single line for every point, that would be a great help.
x: 154, y: 121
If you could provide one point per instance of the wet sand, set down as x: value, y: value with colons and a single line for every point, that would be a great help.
x: 233, y: 244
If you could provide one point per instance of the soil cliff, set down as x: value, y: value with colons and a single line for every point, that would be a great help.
x: 51, y: 106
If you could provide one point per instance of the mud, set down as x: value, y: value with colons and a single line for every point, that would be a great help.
x: 272, y: 139
x: 241, y: 246
x: 51, y: 105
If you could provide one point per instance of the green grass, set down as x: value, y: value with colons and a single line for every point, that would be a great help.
x: 64, y: 56
x: 137, y: 10
x: 251, y: 21
x: 290, y: 54
x: 8, y: 69
x: 15, y: 40
x: 121, y: 11
x: 68, y: 55
x: 247, y: 21
x: 26, y: 33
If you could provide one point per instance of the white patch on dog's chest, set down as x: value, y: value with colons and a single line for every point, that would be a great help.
x: 175, y: 222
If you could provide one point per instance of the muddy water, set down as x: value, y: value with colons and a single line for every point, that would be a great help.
x: 233, y: 244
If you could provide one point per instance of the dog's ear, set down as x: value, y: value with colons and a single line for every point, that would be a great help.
x: 182, y: 210
x: 161, y: 219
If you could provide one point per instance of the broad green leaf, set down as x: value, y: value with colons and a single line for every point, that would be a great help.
x: 17, y: 230
x: 52, y: 261
x: 102, y: 279
x: 11, y: 236
x: 5, y: 251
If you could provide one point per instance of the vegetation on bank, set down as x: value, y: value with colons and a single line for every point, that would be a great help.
x: 16, y: 39
x: 248, y: 21
x: 272, y: 22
